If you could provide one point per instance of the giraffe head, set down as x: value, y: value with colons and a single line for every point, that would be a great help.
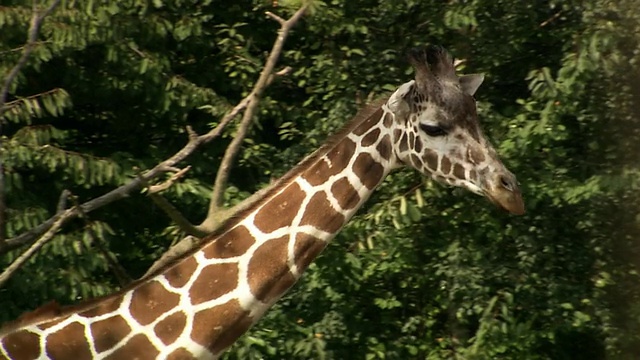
x: 436, y: 130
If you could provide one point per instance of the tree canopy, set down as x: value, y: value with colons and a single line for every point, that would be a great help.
x: 112, y: 89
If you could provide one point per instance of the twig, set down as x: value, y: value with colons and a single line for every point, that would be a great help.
x: 34, y: 26
x: 48, y: 235
x: 253, y: 99
x: 134, y: 184
x: 551, y: 19
x: 178, y: 174
x: 173, y: 213
x: 123, y: 191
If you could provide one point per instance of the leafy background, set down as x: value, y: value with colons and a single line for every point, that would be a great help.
x: 423, y: 272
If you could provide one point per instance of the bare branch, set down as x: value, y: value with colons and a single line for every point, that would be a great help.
x: 171, y: 211
x: 136, y: 184
x: 275, y: 17
x: 178, y: 174
x: 48, y: 235
x: 113, y: 195
x: 551, y: 19
x: 34, y: 26
x: 253, y: 99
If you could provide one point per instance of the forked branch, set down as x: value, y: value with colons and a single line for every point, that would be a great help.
x: 253, y: 99
x: 249, y: 103
x: 60, y: 218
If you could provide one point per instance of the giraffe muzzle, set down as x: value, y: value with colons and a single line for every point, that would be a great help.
x: 505, y: 193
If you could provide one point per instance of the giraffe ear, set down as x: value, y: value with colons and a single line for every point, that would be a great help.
x: 470, y: 83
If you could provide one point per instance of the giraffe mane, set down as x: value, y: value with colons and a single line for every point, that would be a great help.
x: 53, y: 310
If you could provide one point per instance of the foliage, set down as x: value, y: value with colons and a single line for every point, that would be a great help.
x: 423, y: 271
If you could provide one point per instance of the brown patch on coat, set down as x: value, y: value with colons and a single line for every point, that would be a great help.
x: 306, y: 249
x: 320, y: 214
x: 345, y: 193
x: 369, y: 122
x: 151, y: 300
x: 218, y: 327
x: 475, y: 155
x: 107, y: 306
x: 22, y: 345
x: 384, y: 147
x: 458, y: 171
x: 181, y: 354
x: 418, y: 147
x: 280, y: 211
x: 339, y: 157
x: 171, y: 327
x: 368, y: 170
x: 371, y: 137
x: 47, y: 311
x: 473, y: 176
x: 48, y: 324
x: 234, y: 242
x: 388, y: 120
x: 404, y: 143
x: 68, y: 342
x: 138, y: 347
x: 268, y: 270
x: 108, y: 332
x: 445, y: 165
x: 397, y: 133
x: 180, y: 274
x: 431, y: 158
x: 417, y: 162
x: 214, y: 281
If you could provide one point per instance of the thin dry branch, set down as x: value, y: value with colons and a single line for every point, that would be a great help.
x: 137, y: 183
x: 551, y: 19
x: 34, y: 27
x: 62, y: 216
x: 253, y: 99
x: 125, y: 190
x: 173, y: 213
x: 216, y: 214
x: 178, y: 174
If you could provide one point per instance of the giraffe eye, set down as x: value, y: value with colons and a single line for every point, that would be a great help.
x: 432, y: 130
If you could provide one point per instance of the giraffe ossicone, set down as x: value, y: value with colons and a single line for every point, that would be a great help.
x: 199, y: 305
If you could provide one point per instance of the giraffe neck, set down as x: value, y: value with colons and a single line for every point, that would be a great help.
x: 203, y: 303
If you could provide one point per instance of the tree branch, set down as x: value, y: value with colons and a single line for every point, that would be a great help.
x: 171, y: 211
x: 252, y: 99
x: 216, y: 214
x: 137, y: 183
x: 34, y: 27
x: 62, y: 216
x: 178, y: 174
x: 115, y: 194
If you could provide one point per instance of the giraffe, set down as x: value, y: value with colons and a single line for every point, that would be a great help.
x: 199, y: 305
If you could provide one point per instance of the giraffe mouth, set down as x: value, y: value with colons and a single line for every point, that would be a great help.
x: 508, y: 200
